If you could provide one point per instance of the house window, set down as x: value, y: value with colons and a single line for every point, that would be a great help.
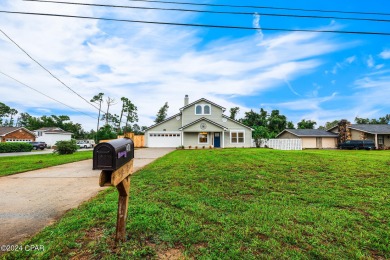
x: 202, y: 109
x: 381, y: 139
x: 206, y: 110
x: 198, y: 110
x: 202, y: 138
x: 237, y: 137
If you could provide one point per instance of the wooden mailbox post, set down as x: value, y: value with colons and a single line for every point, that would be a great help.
x: 115, y: 159
x: 121, y: 180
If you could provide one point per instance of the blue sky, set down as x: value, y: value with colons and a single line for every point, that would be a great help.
x: 316, y: 76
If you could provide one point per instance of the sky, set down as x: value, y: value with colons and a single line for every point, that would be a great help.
x: 305, y: 75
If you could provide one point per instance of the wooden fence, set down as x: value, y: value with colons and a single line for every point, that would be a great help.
x: 282, y: 144
x: 139, y: 140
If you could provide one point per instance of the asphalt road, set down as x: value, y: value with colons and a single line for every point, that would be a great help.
x: 32, y: 200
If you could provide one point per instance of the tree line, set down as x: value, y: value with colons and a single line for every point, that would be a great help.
x: 265, y: 124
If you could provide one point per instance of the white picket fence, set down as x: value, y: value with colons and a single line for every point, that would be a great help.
x: 281, y: 144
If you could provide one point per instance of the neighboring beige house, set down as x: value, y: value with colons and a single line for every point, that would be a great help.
x: 16, y: 134
x: 200, y: 123
x: 380, y: 134
x: 50, y: 135
x: 311, y: 138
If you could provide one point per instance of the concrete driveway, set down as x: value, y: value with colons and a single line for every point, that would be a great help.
x: 32, y: 200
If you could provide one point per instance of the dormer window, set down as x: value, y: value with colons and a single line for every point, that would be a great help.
x: 198, y: 110
x: 206, y: 110
x: 202, y: 109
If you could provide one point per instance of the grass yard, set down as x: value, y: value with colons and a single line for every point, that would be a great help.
x: 17, y: 164
x: 237, y: 204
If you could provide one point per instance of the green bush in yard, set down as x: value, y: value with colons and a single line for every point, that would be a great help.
x: 66, y: 147
x: 15, y: 147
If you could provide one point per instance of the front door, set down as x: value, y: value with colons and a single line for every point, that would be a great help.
x: 217, y: 140
x: 319, y: 142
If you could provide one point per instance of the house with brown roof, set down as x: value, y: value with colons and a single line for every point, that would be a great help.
x: 16, y: 134
x: 50, y: 135
x: 311, y: 138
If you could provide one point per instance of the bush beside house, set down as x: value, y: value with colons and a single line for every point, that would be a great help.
x: 66, y: 147
x: 15, y: 147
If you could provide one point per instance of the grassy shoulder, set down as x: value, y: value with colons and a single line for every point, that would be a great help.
x: 237, y: 204
x: 17, y: 164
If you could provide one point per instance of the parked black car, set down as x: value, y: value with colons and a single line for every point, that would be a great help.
x: 38, y: 145
x: 358, y: 144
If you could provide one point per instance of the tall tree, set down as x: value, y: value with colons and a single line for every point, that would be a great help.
x: 131, y: 114
x: 124, y: 106
x: 233, y: 112
x: 110, y: 102
x: 381, y: 120
x: 306, y: 124
x: 276, y: 123
x: 98, y: 99
x: 290, y: 125
x: 329, y: 125
x: 12, y: 113
x: 4, y: 111
x: 162, y: 113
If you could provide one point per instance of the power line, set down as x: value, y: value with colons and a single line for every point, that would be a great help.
x: 214, y: 12
x: 200, y: 25
x: 262, y: 7
x: 47, y: 70
x: 44, y: 94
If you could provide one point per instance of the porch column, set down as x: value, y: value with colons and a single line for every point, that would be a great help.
x: 182, y: 138
x: 376, y: 141
x: 223, y: 139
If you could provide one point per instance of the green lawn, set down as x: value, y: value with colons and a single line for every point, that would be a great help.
x: 237, y: 204
x: 17, y: 164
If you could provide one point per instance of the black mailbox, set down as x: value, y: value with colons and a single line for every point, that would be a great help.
x: 112, y: 155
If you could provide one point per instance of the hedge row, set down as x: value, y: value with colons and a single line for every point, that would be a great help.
x: 15, y: 147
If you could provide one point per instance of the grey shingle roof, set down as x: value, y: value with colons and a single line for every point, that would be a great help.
x: 309, y: 133
x: 202, y: 99
x: 372, y: 129
x: 203, y: 119
x: 53, y: 130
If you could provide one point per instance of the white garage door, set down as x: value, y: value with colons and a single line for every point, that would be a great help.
x: 166, y: 139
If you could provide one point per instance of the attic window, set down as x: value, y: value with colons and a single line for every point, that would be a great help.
x: 202, y: 109
x: 198, y: 110
x: 206, y: 110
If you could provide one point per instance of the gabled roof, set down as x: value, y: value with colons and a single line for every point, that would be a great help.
x: 205, y: 100
x: 309, y: 133
x: 203, y: 119
x: 371, y: 128
x: 169, y: 118
x: 238, y: 122
x: 10, y: 129
x: 52, y: 130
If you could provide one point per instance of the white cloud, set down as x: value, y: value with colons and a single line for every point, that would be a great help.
x: 350, y: 59
x: 385, y: 54
x: 256, y: 24
x: 341, y: 65
x: 149, y: 64
x: 370, y: 61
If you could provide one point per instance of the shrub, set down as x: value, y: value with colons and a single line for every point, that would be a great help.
x: 66, y: 147
x: 15, y: 147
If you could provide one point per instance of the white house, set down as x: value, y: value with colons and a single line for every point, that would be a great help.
x: 200, y: 123
x: 50, y: 135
